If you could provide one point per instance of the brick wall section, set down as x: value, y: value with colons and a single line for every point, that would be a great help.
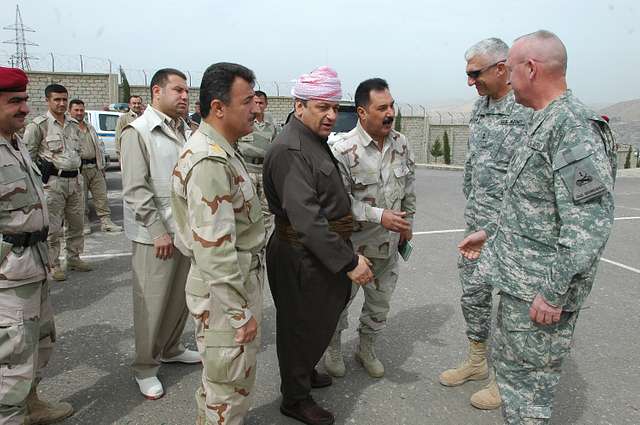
x: 458, y: 137
x: 96, y: 90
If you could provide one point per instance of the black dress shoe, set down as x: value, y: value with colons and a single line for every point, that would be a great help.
x: 308, y: 412
x: 320, y: 380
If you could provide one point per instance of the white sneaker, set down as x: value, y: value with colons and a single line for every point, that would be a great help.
x: 187, y: 356
x: 151, y: 388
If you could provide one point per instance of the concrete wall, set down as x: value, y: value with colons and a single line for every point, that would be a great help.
x: 96, y: 90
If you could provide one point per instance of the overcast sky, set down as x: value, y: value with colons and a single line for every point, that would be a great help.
x: 418, y: 46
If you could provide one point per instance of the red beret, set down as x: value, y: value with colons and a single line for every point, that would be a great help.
x: 606, y: 118
x: 13, y: 79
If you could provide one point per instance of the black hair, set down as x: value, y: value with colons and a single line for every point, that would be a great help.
x: 54, y: 88
x: 364, y: 89
x: 217, y: 81
x: 161, y: 77
x: 75, y: 102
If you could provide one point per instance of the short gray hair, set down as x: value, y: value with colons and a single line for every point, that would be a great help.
x: 493, y: 49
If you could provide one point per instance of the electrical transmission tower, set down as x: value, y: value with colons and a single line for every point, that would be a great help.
x: 20, y: 59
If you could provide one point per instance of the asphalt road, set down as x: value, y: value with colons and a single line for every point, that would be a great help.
x: 425, y: 335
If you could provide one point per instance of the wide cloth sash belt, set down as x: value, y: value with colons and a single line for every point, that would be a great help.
x: 89, y: 161
x: 342, y: 226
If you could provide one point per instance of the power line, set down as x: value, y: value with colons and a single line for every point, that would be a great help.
x: 20, y: 59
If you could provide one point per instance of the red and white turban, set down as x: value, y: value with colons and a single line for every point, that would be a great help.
x: 321, y: 84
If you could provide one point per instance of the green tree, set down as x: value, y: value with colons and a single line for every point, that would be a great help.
x: 627, y: 161
x: 436, y: 149
x: 398, y: 124
x: 126, y: 89
x: 446, y: 149
x: 637, y: 158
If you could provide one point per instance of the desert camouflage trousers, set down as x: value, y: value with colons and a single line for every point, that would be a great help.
x: 256, y: 178
x: 377, y: 297
x: 475, y: 301
x: 66, y: 205
x: 228, y: 368
x: 527, y: 358
x: 27, y: 334
x: 94, y: 182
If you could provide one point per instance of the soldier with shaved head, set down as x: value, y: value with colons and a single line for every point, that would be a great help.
x: 554, y: 222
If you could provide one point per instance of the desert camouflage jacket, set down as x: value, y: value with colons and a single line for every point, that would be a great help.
x: 218, y: 219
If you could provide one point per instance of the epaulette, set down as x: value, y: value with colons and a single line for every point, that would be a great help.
x: 216, y: 151
x: 40, y: 119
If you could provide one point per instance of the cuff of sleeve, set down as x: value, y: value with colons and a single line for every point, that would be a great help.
x: 157, y: 229
x: 352, y: 265
x: 551, y: 295
x: 375, y: 216
x: 239, y: 318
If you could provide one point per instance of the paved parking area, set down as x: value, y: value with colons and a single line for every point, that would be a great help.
x: 425, y: 335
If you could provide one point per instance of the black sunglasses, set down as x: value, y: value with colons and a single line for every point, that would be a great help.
x: 475, y: 74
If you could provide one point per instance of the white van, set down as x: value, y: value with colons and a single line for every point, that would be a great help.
x: 105, y: 124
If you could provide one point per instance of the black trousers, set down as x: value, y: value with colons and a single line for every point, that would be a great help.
x: 309, y: 300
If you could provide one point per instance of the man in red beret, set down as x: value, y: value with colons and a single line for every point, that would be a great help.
x: 27, y: 330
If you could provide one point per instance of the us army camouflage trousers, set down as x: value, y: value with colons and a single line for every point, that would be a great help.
x: 229, y: 368
x: 475, y: 301
x: 27, y: 334
x: 94, y: 181
x: 256, y: 178
x: 527, y: 359
x: 66, y: 204
x: 377, y: 297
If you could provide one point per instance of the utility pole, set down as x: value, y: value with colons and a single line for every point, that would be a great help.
x: 20, y: 59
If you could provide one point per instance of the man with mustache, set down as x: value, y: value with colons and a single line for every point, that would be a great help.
x: 310, y: 259
x: 53, y: 140
x: 497, y: 126
x: 378, y: 170
x: 151, y: 146
x: 27, y: 330
x: 135, y: 110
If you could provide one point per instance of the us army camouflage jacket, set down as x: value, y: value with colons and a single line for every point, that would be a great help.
x: 495, y: 129
x: 59, y: 144
x: 558, y: 207
x: 376, y: 181
x: 22, y: 209
x: 218, y: 218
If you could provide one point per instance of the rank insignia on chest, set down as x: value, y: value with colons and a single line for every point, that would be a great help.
x: 535, y: 144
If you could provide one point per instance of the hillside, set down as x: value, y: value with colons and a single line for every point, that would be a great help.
x: 625, y: 121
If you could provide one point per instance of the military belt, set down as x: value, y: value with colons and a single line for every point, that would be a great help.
x: 254, y: 160
x: 342, y: 226
x: 89, y: 161
x: 26, y: 239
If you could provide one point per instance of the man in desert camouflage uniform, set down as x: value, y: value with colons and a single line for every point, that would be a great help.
x: 496, y: 128
x: 555, y: 220
x: 253, y: 148
x: 220, y: 227
x: 27, y: 331
x: 135, y: 110
x: 93, y: 166
x: 378, y: 170
x: 53, y: 140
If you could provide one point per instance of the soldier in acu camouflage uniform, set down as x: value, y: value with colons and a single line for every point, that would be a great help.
x: 27, y: 331
x: 53, y: 140
x: 220, y: 227
x: 378, y: 170
x: 555, y: 220
x: 496, y: 128
x: 253, y: 148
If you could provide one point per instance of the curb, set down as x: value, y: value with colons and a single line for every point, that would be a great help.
x: 441, y: 167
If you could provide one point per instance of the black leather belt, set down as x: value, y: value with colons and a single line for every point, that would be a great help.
x: 342, y: 226
x: 256, y: 160
x: 26, y: 239
x: 89, y: 161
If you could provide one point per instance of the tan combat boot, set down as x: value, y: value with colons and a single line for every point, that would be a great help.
x: 366, y: 356
x: 333, y: 361
x: 109, y: 226
x: 487, y: 398
x: 43, y: 412
x: 474, y: 368
x: 58, y: 274
x: 78, y: 265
